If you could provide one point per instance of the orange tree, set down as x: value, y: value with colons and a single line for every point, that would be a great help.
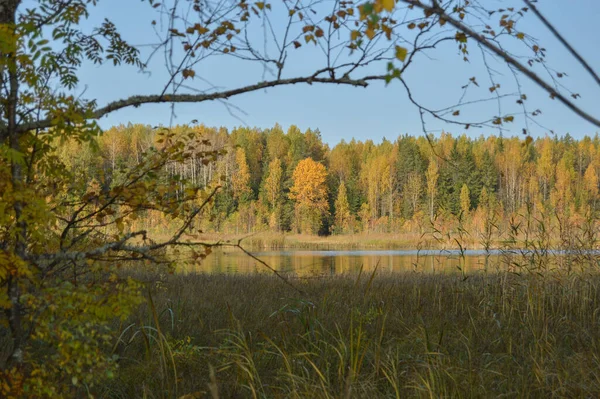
x: 62, y: 238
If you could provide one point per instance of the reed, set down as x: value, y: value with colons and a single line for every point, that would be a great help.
x: 494, y: 334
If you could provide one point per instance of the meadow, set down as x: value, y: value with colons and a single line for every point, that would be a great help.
x: 368, y: 335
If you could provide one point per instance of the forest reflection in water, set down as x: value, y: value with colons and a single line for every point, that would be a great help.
x: 329, y: 263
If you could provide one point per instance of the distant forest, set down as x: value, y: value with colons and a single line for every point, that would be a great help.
x: 291, y: 181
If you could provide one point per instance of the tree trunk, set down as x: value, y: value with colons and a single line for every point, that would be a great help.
x: 9, y: 75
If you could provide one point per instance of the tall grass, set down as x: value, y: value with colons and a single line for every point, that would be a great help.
x: 405, y: 335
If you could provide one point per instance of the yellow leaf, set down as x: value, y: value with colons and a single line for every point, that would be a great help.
x: 461, y: 37
x: 354, y: 35
x: 388, y: 5
x: 188, y: 73
x: 370, y: 33
x: 401, y: 53
x: 521, y: 35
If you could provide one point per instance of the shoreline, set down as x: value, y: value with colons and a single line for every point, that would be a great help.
x: 380, y: 241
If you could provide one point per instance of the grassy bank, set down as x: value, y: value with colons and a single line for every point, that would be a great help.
x: 389, y: 336
x: 335, y: 242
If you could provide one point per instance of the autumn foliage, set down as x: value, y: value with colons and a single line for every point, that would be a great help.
x: 310, y: 195
x: 290, y: 181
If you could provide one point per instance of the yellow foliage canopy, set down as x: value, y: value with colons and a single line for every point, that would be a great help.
x: 310, y: 193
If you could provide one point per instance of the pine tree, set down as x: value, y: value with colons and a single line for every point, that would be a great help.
x: 409, y: 160
x: 489, y: 173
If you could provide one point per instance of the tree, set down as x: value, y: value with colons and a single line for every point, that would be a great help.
x: 409, y: 161
x: 546, y: 167
x: 343, y: 218
x: 562, y: 195
x: 413, y: 190
x: 432, y: 178
x: 273, y: 182
x: 310, y: 194
x: 240, y: 180
x: 489, y: 173
x: 273, y: 191
x: 591, y: 180
x: 465, y: 200
x: 365, y: 217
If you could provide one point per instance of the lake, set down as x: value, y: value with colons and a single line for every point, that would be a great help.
x: 319, y: 263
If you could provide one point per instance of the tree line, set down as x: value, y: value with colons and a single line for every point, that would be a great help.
x: 291, y: 181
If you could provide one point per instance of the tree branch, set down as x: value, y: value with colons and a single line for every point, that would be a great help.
x: 479, y: 38
x: 136, y: 101
x: 556, y: 34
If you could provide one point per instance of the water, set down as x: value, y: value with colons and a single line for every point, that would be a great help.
x: 327, y: 263
x: 318, y: 263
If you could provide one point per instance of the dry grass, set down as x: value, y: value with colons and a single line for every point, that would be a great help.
x: 314, y: 242
x: 496, y: 335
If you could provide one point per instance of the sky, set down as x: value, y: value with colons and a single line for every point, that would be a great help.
x: 348, y: 112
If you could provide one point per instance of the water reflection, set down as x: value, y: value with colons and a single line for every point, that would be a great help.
x: 310, y: 263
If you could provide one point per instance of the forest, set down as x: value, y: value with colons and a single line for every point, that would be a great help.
x: 291, y: 181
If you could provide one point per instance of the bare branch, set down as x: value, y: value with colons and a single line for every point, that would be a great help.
x: 136, y: 101
x: 573, y: 52
x: 506, y: 57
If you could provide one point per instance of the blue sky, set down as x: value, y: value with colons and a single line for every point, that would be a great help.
x: 345, y: 112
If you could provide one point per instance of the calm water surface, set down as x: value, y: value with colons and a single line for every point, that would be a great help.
x: 307, y: 263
